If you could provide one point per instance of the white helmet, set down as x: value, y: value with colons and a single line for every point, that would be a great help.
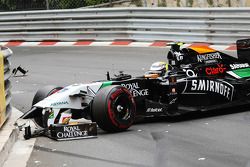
x: 159, y: 68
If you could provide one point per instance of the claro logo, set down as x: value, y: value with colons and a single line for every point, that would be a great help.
x: 135, y: 89
x: 220, y: 69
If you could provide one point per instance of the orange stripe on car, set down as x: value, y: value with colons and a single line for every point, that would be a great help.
x: 202, y: 49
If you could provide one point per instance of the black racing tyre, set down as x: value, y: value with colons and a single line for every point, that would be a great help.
x: 114, y: 109
x: 41, y: 94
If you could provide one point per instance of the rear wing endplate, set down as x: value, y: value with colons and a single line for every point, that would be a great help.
x: 243, y: 50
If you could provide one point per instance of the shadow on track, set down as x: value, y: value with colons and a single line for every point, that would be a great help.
x: 185, y: 117
x: 195, y: 115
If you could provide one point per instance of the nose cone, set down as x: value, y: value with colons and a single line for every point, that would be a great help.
x: 62, y: 99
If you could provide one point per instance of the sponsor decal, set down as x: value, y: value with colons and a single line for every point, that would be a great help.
x: 173, y: 101
x: 135, y: 89
x: 179, y: 56
x: 154, y: 110
x: 242, y: 73
x: 238, y: 66
x: 211, y: 61
x: 220, y: 69
x: 205, y: 86
x: 71, y: 132
x: 65, y: 120
x: 63, y: 90
x: 51, y: 114
x: 59, y: 103
x: 191, y: 73
x: 209, y: 56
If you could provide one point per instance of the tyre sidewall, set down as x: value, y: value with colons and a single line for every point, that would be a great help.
x: 103, y: 113
x: 41, y: 94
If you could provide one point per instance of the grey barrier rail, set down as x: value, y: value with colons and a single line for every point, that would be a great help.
x: 214, y: 25
x: 5, y: 84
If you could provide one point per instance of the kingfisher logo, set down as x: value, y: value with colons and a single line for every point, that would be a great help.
x: 210, y: 56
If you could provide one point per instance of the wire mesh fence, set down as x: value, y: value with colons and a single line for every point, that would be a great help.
x: 17, y: 5
x: 12, y: 5
x: 65, y: 4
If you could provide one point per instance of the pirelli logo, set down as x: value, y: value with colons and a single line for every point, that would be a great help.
x: 2, y: 92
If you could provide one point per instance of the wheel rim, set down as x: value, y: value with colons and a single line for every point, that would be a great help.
x: 122, y: 107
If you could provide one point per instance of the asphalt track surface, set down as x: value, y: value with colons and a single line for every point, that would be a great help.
x: 218, y: 139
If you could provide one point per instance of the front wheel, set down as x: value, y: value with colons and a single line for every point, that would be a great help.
x: 41, y: 94
x: 114, y: 108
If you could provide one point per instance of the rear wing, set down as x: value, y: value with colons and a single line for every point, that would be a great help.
x: 243, y: 50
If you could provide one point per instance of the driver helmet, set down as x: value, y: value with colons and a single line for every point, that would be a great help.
x: 159, y: 68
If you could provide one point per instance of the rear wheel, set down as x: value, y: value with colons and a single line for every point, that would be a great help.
x: 40, y: 95
x: 113, y: 109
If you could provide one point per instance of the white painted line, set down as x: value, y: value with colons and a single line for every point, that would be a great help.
x: 140, y: 44
x: 64, y: 44
x: 30, y: 43
x: 100, y: 44
x: 3, y: 43
x: 232, y: 53
x: 218, y: 47
x: 185, y: 45
x: 132, y: 44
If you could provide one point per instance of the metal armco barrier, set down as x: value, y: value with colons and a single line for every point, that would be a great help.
x: 213, y: 25
x: 5, y: 85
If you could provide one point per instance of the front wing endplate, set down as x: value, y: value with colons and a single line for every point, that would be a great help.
x: 70, y: 132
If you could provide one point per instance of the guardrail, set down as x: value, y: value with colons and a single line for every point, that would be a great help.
x: 5, y: 85
x: 214, y: 25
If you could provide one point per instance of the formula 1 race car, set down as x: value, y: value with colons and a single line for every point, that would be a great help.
x: 196, y: 78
